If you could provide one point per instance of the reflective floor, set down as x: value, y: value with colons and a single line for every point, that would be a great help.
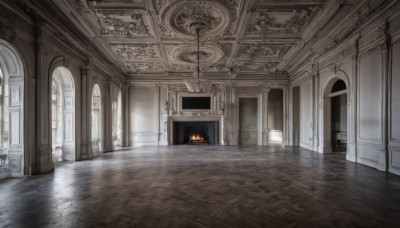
x: 204, y: 186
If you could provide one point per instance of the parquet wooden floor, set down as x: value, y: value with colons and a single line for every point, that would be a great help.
x: 204, y: 186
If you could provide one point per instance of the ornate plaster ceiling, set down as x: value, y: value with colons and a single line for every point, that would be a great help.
x: 156, y: 37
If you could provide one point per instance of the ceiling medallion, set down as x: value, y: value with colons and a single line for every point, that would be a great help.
x: 209, y: 53
x: 179, y: 16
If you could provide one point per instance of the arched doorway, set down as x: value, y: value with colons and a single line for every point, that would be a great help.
x: 63, y: 115
x: 96, y: 121
x: 117, y: 122
x: 335, y: 116
x: 11, y: 110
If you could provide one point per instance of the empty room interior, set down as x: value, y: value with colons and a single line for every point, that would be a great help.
x: 200, y: 113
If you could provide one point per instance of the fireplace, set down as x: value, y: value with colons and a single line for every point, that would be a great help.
x: 196, y: 136
x: 195, y: 132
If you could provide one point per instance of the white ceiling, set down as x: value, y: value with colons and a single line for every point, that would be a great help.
x: 154, y: 37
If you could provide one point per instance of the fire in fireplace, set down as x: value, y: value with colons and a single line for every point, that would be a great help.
x: 195, y: 132
x: 195, y: 137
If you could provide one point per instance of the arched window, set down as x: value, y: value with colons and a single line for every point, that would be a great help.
x: 11, y: 109
x: 4, y: 131
x: 63, y: 115
x: 117, y: 121
x: 96, y: 120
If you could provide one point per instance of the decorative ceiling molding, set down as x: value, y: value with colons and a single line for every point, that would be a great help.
x: 178, y: 16
x: 122, y: 23
x: 262, y: 51
x: 155, y: 38
x: 209, y: 53
x: 259, y: 66
x: 135, y: 67
x: 280, y: 20
x: 140, y: 52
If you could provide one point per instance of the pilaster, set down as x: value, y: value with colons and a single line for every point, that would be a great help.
x: 43, y: 149
x: 285, y: 116
x: 316, y: 94
x: 108, y: 139
x: 86, y: 151
x: 125, y: 115
x: 265, y: 128
x: 352, y: 144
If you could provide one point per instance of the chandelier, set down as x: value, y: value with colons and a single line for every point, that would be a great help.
x: 197, y: 85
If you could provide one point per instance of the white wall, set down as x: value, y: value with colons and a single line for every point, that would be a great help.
x: 248, y: 116
x: 143, y: 103
x: 306, y: 120
x: 370, y: 137
x: 394, y: 107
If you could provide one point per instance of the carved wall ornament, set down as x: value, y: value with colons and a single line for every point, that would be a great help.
x: 178, y: 17
x: 121, y: 23
x: 281, y: 20
x: 130, y: 51
x: 198, y: 85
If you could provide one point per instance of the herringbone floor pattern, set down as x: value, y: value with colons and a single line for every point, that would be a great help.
x: 204, y: 186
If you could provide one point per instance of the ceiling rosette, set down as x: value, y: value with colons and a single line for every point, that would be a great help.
x: 209, y: 53
x: 179, y: 16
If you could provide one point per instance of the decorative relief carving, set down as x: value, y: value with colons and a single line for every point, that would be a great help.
x: 220, y: 51
x: 261, y: 51
x: 209, y: 53
x: 269, y: 66
x: 130, y: 51
x: 122, y: 23
x: 179, y: 16
x: 198, y: 85
x: 281, y: 20
x: 135, y: 67
x: 215, y: 68
x: 181, y: 67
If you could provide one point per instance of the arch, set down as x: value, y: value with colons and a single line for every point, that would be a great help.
x: 340, y: 75
x: 62, y: 105
x: 329, y: 91
x: 97, y: 128
x: 12, y: 106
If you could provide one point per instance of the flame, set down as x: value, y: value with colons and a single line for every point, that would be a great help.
x: 196, y: 137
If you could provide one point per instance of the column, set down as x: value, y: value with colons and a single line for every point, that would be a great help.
x: 265, y: 129
x: 315, y: 79
x: 285, y: 116
x: 351, y: 154
x: 108, y: 140
x: 125, y: 115
x: 384, y: 156
x: 43, y: 149
x: 158, y: 113
x: 85, y: 128
x: 234, y: 129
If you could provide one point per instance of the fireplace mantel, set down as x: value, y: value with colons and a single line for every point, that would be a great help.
x: 199, y: 118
